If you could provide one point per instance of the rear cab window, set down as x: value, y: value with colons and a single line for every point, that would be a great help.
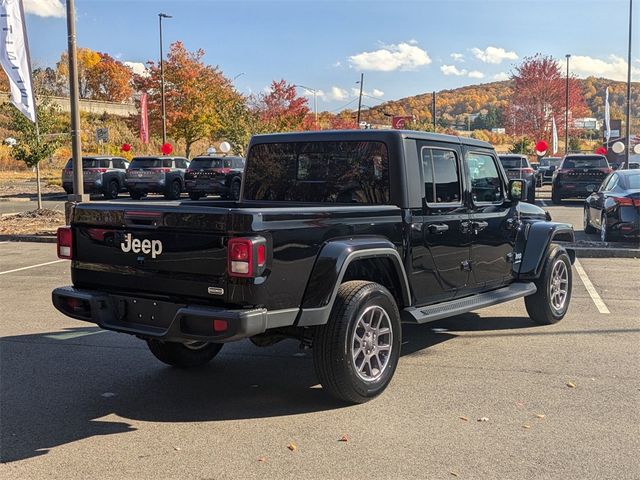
x: 514, y: 162
x: 142, y: 163
x: 319, y: 172
x: 204, y: 163
x: 585, y: 161
x: 89, y: 163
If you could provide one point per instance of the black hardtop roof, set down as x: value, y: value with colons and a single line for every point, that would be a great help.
x: 159, y: 157
x: 365, y: 135
x: 216, y: 156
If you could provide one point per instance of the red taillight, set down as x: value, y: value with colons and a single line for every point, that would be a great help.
x: 563, y: 170
x: 97, y: 170
x: 188, y: 170
x: 607, y: 170
x: 65, y: 243
x: 163, y: 169
x: 246, y: 256
x: 220, y: 325
x: 527, y: 171
x: 626, y: 201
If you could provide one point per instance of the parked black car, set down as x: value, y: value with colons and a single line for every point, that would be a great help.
x: 214, y: 174
x: 518, y: 167
x: 615, y: 208
x: 337, y: 238
x: 102, y: 174
x: 578, y: 176
x: 156, y: 175
x: 546, y: 168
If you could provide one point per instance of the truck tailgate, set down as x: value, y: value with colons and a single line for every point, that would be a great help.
x: 165, y: 249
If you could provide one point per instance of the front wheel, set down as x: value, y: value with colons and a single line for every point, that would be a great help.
x: 184, y: 355
x: 356, y: 353
x: 174, y: 191
x: 551, y: 301
x: 112, y: 190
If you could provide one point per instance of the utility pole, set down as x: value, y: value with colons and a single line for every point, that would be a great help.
x: 315, y: 103
x: 360, y: 98
x: 433, y: 109
x: 628, y: 113
x: 566, y: 108
x: 76, y: 145
x: 164, y: 112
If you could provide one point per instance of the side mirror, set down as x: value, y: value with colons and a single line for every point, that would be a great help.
x: 517, y: 190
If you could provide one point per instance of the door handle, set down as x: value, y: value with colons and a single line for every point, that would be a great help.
x: 479, y: 226
x: 438, y: 228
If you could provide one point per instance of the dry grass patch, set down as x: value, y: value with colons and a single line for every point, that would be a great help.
x: 33, y: 222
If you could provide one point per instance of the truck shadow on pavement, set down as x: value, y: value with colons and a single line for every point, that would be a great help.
x: 57, y: 388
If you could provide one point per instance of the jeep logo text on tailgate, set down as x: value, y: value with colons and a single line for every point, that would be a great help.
x: 135, y: 245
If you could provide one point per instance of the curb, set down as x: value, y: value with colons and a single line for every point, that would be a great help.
x: 28, y: 238
x: 586, y: 249
x: 22, y: 200
x: 45, y: 198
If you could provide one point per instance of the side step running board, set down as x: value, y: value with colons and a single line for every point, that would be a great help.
x: 467, y: 304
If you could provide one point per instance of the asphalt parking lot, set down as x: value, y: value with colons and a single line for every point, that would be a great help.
x: 559, y: 401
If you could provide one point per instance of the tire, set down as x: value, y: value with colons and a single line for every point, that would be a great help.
x: 173, y: 193
x: 357, y: 305
x: 545, y: 307
x: 234, y: 194
x: 68, y: 191
x: 184, y: 355
x: 556, y: 199
x: 136, y: 195
x: 586, y: 224
x: 112, y: 190
x: 605, y: 235
x: 195, y: 195
x: 531, y: 194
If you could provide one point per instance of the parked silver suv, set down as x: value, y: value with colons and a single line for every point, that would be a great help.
x: 157, y: 175
x: 102, y: 174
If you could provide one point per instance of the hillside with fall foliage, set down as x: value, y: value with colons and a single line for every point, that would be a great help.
x: 454, y: 106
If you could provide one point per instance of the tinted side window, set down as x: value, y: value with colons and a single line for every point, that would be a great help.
x: 441, y: 176
x: 167, y: 163
x: 486, y: 184
x: 118, y: 163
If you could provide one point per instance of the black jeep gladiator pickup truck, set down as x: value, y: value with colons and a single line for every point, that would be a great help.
x: 336, y: 239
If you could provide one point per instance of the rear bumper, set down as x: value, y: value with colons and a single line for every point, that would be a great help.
x: 95, y: 186
x: 567, y: 189
x: 159, y: 319
x: 155, y: 187
x: 205, y: 187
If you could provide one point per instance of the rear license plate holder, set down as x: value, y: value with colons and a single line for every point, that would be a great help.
x: 144, y: 311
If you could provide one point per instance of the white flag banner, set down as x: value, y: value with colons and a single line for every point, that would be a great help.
x: 14, y: 56
x: 607, y: 119
x: 554, y: 132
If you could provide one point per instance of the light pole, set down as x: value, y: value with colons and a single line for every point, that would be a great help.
x: 566, y: 108
x: 628, y: 113
x: 360, y: 97
x: 237, y: 76
x: 315, y: 102
x: 164, y: 113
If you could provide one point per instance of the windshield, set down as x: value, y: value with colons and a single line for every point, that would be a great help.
x: 514, y: 162
x: 202, y: 163
x: 633, y: 181
x: 89, y: 163
x: 334, y: 172
x: 139, y: 163
x: 585, y: 161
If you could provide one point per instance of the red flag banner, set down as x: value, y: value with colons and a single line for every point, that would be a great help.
x: 400, y: 122
x: 144, y: 119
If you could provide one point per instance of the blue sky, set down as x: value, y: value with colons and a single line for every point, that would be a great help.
x: 402, y: 47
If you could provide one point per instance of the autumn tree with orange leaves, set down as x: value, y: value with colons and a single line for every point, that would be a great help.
x: 539, y: 96
x: 280, y: 109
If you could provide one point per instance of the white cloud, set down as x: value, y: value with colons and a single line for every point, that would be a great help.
x: 458, y: 57
x: 338, y: 94
x: 476, y: 74
x: 309, y: 93
x: 137, y: 68
x: 377, y: 93
x: 493, y: 55
x: 337, y: 64
x: 413, y: 41
x: 355, y: 91
x: 500, y: 77
x: 452, y: 70
x: 614, y: 67
x: 45, y: 8
x: 402, y: 56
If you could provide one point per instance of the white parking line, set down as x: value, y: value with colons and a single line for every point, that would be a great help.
x: 602, y: 308
x: 31, y: 266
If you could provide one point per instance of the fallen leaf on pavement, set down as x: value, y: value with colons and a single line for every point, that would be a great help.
x: 540, y: 415
x: 571, y: 385
x: 453, y: 473
x: 465, y: 419
x: 483, y: 419
x: 262, y: 459
x: 344, y: 438
x: 526, y: 426
x: 292, y: 446
x: 177, y: 449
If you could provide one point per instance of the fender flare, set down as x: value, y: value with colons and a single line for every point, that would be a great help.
x: 539, y: 236
x: 329, y: 270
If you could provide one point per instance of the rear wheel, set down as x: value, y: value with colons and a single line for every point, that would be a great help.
x: 184, y: 355
x: 173, y: 193
x: 551, y: 301
x: 135, y: 194
x: 356, y: 353
x: 586, y: 224
x: 235, y: 190
x: 605, y: 236
x: 112, y: 190
x: 556, y: 199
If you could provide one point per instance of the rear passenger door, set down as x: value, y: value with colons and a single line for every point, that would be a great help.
x: 493, y: 221
x: 442, y: 251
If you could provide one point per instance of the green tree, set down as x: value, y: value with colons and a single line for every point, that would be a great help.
x: 35, y: 143
x: 522, y: 145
